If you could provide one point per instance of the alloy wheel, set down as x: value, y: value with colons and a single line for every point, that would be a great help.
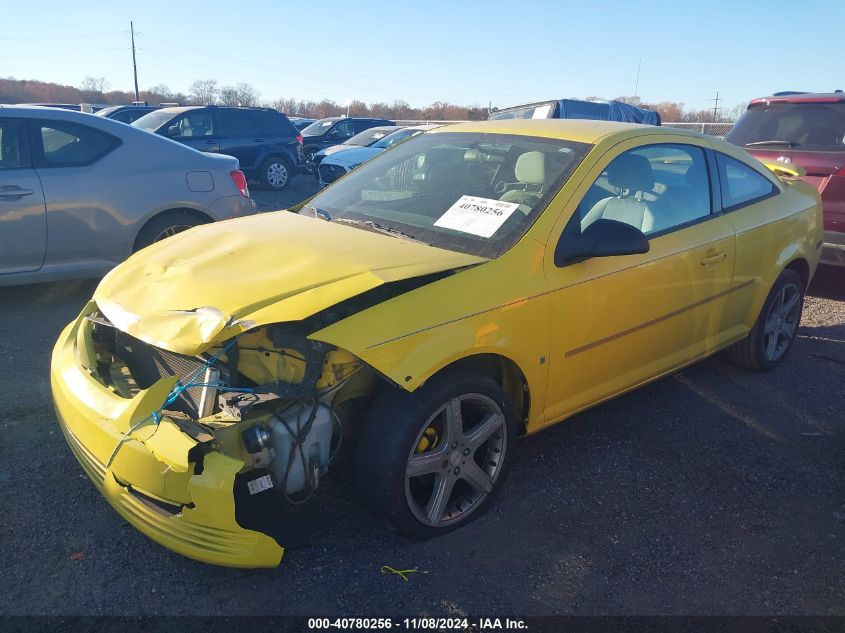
x: 171, y: 231
x: 781, y: 322
x: 456, y: 459
x: 277, y: 175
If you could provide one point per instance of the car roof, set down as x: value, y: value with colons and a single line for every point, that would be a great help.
x: 580, y: 130
x: 801, y: 97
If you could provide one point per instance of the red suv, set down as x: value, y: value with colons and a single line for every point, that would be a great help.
x: 807, y: 130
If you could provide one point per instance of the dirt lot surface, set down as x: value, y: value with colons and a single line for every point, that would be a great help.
x: 714, y: 491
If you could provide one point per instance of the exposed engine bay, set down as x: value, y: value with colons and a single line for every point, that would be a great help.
x: 269, y: 397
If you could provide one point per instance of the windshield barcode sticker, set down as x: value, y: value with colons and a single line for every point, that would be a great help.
x: 259, y: 485
x: 476, y: 216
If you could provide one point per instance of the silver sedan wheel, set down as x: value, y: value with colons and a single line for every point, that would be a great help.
x: 277, y: 175
x: 172, y: 230
x: 456, y: 459
x: 781, y: 322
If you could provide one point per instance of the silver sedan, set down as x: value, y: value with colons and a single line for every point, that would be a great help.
x: 80, y: 193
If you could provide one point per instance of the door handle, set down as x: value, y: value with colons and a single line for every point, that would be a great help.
x: 15, y: 192
x: 258, y: 140
x: 713, y: 257
x: 210, y: 142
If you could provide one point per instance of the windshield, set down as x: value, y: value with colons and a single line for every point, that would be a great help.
x: 367, y: 137
x: 318, y: 128
x: 106, y: 111
x: 468, y: 192
x: 154, y: 120
x: 800, y: 126
x: 397, y: 137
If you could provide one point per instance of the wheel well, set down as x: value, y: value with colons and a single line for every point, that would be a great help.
x: 203, y: 217
x: 801, y: 267
x: 507, y: 373
x: 281, y: 156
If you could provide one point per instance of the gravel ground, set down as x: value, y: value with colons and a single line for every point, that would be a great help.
x: 714, y: 491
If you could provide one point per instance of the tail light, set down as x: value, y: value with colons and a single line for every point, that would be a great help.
x: 299, y: 139
x: 841, y: 172
x: 240, y: 182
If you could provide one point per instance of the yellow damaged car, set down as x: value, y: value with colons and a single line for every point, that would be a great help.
x: 471, y: 285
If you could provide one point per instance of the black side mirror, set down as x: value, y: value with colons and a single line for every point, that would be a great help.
x: 603, y: 238
x: 172, y: 131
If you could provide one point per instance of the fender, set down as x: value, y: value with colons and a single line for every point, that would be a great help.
x: 413, y: 336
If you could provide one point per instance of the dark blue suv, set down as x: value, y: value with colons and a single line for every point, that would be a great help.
x: 330, y: 131
x: 267, y: 145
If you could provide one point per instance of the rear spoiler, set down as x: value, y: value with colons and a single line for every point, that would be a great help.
x: 784, y: 171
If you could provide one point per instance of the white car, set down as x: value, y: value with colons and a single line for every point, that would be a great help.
x: 341, y: 163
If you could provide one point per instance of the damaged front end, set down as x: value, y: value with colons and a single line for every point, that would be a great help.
x: 170, y: 437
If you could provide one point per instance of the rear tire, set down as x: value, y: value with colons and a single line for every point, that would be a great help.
x: 164, y: 226
x: 276, y: 173
x: 774, y: 332
x: 431, y: 461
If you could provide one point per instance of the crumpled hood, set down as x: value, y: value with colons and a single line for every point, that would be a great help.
x: 212, y: 282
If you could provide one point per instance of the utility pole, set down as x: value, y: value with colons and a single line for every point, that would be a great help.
x: 637, y: 82
x: 715, y: 105
x: 134, y: 65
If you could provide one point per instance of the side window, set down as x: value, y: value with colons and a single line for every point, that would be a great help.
x: 273, y: 123
x: 654, y: 188
x: 342, y: 130
x: 195, y: 123
x: 740, y: 183
x: 65, y: 144
x: 237, y: 123
x: 12, y: 147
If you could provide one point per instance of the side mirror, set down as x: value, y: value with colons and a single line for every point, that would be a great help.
x: 172, y: 131
x: 603, y: 238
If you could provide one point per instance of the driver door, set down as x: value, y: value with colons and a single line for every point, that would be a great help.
x: 622, y: 320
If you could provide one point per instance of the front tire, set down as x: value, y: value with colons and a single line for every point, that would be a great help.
x: 276, y: 173
x: 308, y: 160
x: 431, y: 461
x: 774, y: 332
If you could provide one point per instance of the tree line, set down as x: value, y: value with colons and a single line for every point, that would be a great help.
x: 208, y: 91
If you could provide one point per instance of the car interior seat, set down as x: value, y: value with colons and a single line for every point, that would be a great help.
x: 684, y: 202
x: 632, y: 176
x: 530, y: 172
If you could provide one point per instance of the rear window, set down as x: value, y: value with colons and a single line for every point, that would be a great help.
x: 64, y: 144
x: 801, y: 126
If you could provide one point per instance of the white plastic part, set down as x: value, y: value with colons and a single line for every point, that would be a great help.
x: 317, y: 445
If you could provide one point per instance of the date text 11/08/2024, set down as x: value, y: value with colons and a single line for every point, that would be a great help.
x: 431, y: 624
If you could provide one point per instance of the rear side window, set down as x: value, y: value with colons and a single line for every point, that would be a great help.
x: 63, y: 144
x: 741, y: 184
x: 237, y: 123
x: 270, y: 122
x: 800, y: 126
x: 12, y: 146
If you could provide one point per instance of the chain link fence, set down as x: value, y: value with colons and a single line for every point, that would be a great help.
x: 711, y: 129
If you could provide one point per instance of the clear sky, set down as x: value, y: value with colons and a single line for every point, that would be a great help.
x: 507, y: 52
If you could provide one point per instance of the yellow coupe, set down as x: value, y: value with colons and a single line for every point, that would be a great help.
x: 474, y: 284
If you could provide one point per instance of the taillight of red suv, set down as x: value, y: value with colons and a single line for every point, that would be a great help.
x: 240, y: 182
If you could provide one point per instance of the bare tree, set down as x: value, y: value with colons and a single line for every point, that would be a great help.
x: 204, y: 91
x: 162, y: 91
x: 242, y: 94
x: 92, y: 88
